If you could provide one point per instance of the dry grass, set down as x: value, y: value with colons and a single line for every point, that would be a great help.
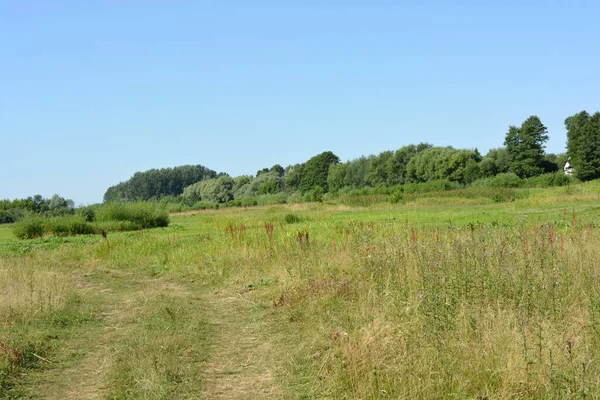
x: 27, y: 289
x: 497, y: 302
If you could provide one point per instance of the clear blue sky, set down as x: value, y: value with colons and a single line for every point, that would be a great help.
x: 91, y: 92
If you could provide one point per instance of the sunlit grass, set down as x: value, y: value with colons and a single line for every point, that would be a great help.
x: 434, y: 298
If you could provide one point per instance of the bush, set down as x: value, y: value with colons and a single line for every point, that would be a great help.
x: 291, y: 218
x: 145, y: 215
x: 87, y: 213
x: 7, y: 217
x: 30, y: 227
x: 271, y: 199
x: 204, y: 205
x: 398, y: 196
x: 315, y: 195
x: 505, y: 180
x: 233, y: 203
x: 68, y: 226
x: 549, y: 180
x: 431, y: 186
x: 117, y: 226
x: 249, y: 202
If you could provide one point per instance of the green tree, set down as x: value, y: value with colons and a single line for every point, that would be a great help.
x: 379, y: 169
x: 356, y: 173
x: 583, y: 144
x: 157, y: 183
x: 293, y: 177
x: 218, y: 190
x: 337, y: 177
x: 494, y: 162
x: 278, y: 169
x: 525, y: 147
x: 316, y: 171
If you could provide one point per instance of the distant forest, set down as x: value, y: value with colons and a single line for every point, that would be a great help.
x: 522, y: 157
x: 522, y: 161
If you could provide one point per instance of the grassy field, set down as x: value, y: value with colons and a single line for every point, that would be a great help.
x: 446, y: 296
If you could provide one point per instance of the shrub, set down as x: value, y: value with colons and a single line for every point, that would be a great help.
x: 6, y: 217
x: 117, y: 226
x: 68, y: 226
x: 505, y: 180
x: 249, y: 202
x: 291, y: 218
x: 204, y: 205
x: 87, y: 213
x: 498, y: 198
x: 233, y: 203
x: 315, y: 195
x: 398, y: 196
x: 431, y: 186
x: 549, y: 180
x: 146, y: 215
x: 271, y: 199
x: 30, y: 227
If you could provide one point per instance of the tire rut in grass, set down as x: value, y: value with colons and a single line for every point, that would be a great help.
x: 79, y: 369
x: 243, y: 361
x: 148, y: 343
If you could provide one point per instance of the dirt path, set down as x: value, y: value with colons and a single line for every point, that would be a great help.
x: 238, y: 360
x: 242, y: 363
x: 80, y: 370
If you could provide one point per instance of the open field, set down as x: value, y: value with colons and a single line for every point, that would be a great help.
x: 445, y: 296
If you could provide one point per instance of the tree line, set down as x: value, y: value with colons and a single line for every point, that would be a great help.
x: 157, y: 183
x: 13, y: 210
x: 522, y: 157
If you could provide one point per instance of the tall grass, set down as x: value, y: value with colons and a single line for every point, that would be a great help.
x: 479, y: 312
x: 108, y: 217
x: 365, y: 303
x: 34, y: 297
x: 144, y: 214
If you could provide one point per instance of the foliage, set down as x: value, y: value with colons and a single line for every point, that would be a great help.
x: 316, y: 171
x: 430, y: 186
x: 494, y: 162
x: 145, y: 215
x: 504, y: 180
x: 438, y: 163
x: 30, y: 227
x: 291, y: 218
x: 315, y: 195
x: 549, y: 180
x: 583, y: 144
x: 14, y: 210
x: 218, y: 190
x: 449, y: 295
x: 525, y: 147
x: 87, y: 213
x: 68, y: 226
x: 269, y: 182
x: 156, y: 183
x: 293, y: 177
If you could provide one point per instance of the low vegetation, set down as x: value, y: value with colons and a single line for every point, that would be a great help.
x: 110, y: 217
x: 442, y: 294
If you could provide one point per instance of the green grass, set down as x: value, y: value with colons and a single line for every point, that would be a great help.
x: 448, y: 295
x: 6, y: 232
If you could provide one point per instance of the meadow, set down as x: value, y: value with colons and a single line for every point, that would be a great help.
x: 440, y: 295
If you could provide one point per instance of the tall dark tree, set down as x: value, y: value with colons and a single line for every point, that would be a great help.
x: 583, y: 144
x: 277, y: 168
x: 525, y: 147
x: 157, y: 183
x: 316, y: 171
